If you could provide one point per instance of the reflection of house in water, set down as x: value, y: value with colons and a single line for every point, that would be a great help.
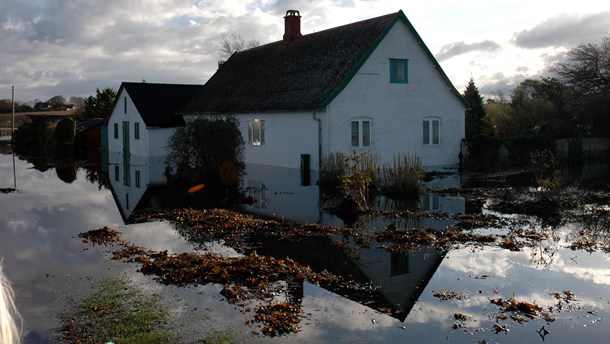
x: 132, y: 177
x: 400, y: 276
x: 278, y: 192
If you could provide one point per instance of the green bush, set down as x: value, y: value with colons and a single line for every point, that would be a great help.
x: 483, y: 153
x: 521, y: 148
x: 209, y: 151
x: 35, y: 137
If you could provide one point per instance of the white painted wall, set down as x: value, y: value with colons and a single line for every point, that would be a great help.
x: 152, y: 141
x: 157, y: 140
x: 287, y: 136
x: 397, y: 110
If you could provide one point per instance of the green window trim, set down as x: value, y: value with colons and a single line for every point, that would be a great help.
x: 136, y: 130
x: 138, y: 179
x: 399, y: 71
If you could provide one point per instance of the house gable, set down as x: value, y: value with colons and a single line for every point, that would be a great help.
x: 400, y: 16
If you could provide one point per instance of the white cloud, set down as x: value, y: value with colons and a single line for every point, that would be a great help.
x: 72, y: 48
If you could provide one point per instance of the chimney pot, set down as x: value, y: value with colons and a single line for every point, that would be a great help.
x: 292, y: 26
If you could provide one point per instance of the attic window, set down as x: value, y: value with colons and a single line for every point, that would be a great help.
x: 256, y: 132
x: 399, y: 73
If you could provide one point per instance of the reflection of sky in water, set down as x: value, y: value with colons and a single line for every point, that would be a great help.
x: 47, y: 263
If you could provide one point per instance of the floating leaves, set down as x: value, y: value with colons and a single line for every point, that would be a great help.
x: 101, y: 236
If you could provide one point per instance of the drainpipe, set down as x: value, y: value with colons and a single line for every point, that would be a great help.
x: 315, y: 118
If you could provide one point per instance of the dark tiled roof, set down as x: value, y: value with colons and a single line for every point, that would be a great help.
x: 304, y: 74
x: 157, y: 103
x: 299, y: 75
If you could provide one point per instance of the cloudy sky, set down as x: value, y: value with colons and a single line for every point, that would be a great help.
x: 72, y: 47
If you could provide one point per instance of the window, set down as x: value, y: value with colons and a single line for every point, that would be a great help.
x: 256, y: 132
x: 399, y: 73
x: 116, y: 130
x: 430, y: 202
x: 136, y: 130
x: 361, y: 133
x: 137, y: 178
x: 432, y: 131
x: 116, y: 172
x: 125, y: 105
x: 399, y: 263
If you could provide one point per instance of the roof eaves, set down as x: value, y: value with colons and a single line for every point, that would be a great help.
x: 433, y: 60
x: 116, y: 100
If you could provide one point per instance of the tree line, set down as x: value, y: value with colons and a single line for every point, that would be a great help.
x: 573, y: 102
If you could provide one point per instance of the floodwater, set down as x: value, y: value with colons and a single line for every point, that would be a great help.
x: 48, y: 265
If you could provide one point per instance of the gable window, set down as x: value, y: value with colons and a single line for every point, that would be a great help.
x: 256, y: 132
x: 361, y: 133
x: 431, y: 131
x: 136, y: 130
x: 116, y: 172
x: 116, y: 130
x: 399, y: 73
x: 125, y: 105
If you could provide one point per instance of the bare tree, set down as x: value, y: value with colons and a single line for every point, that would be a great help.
x: 587, y: 68
x: 230, y: 43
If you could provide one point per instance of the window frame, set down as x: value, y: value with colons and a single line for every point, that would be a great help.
x: 138, y: 178
x: 358, y: 141
x: 136, y: 130
x: 429, y: 130
x: 394, y: 63
x: 256, y: 132
x: 116, y: 131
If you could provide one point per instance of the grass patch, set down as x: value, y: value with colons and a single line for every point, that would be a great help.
x: 116, y: 312
x: 220, y: 337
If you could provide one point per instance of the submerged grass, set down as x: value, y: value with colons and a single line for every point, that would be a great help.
x: 116, y: 312
x: 404, y: 177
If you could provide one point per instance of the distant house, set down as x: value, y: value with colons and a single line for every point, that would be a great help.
x: 370, y: 86
x: 43, y: 106
x: 142, y: 117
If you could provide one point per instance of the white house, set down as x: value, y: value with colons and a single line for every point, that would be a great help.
x: 370, y: 86
x: 143, y: 119
x: 139, y: 126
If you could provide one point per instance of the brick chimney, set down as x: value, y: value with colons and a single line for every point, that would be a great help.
x: 292, y: 26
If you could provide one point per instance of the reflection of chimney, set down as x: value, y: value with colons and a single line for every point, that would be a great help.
x: 292, y: 26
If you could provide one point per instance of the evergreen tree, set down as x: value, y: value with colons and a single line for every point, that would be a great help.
x: 476, y: 118
x: 99, y: 106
